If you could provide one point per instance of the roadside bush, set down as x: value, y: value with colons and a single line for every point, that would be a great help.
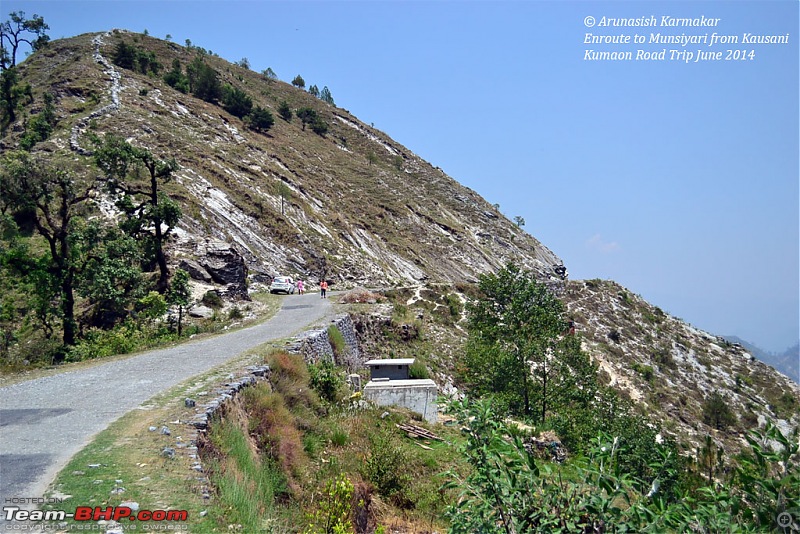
x: 326, y: 379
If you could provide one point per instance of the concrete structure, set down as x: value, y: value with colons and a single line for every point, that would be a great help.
x: 416, y: 395
x: 392, y: 369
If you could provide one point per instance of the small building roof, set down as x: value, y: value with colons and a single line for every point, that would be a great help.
x: 390, y: 361
x: 419, y: 383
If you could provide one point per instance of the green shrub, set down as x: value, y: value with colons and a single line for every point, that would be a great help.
x: 326, y: 379
x: 212, y: 299
x: 418, y: 370
x: 387, y: 468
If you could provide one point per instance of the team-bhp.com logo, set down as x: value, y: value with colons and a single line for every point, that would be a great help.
x: 94, y: 513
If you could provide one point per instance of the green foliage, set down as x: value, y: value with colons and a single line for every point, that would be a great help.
x: 203, y: 80
x: 175, y: 77
x: 306, y: 116
x: 17, y: 30
x: 152, y: 306
x: 12, y: 96
x: 269, y: 74
x: 327, y: 380
x: 386, y: 467
x: 98, y: 343
x: 716, y: 411
x: 109, y: 277
x: 132, y: 57
x: 319, y: 126
x: 285, y: 111
x: 147, y: 209
x: 40, y: 126
x: 418, y: 370
x: 335, y: 509
x: 645, y: 370
x: 260, y: 119
x: 51, y: 197
x: 314, y: 91
x: 298, y: 81
x: 325, y: 95
x: 179, y: 294
x: 516, y: 352
x: 235, y: 101
x: 337, y: 341
x: 508, y: 490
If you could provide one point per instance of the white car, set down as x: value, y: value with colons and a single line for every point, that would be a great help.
x: 282, y: 284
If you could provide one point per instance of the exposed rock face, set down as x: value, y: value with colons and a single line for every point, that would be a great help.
x: 195, y: 270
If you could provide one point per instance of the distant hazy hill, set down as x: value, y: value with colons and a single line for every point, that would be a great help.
x: 787, y: 362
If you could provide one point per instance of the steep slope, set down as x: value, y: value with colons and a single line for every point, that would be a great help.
x: 787, y: 362
x: 669, y: 368
x: 361, y: 208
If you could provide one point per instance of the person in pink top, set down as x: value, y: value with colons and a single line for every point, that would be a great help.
x: 300, y: 287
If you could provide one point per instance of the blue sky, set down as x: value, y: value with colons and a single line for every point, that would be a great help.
x: 677, y: 180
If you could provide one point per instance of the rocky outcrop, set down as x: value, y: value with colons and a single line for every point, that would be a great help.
x: 214, y: 262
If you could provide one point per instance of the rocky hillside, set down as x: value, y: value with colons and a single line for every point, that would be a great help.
x: 669, y: 368
x: 351, y: 205
x: 357, y: 208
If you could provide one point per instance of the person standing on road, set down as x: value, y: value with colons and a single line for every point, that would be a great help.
x: 299, y: 287
x: 323, y: 289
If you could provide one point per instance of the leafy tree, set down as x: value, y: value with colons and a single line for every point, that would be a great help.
x: 235, y: 101
x: 716, y: 411
x: 260, y: 119
x: 285, y: 111
x: 314, y: 91
x: 203, y: 80
x: 515, y: 352
x: 519, y: 221
x: 175, y: 77
x: 299, y: 82
x: 306, y: 116
x: 269, y: 74
x: 326, y: 96
x: 319, y: 126
x: 109, y: 276
x: 179, y: 294
x: 150, y: 213
x: 18, y: 30
x: 12, y: 95
x: 52, y: 198
x: 124, y: 55
x: 41, y: 125
x: 244, y: 63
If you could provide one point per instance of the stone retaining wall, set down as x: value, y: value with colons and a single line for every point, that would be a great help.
x: 315, y: 345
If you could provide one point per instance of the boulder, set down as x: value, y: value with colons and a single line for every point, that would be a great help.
x: 225, y: 266
x: 195, y: 270
x: 223, y: 263
x: 204, y: 312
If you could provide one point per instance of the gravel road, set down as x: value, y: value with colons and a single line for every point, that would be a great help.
x: 45, y: 421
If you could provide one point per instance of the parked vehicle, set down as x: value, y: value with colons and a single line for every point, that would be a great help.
x: 282, y: 284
